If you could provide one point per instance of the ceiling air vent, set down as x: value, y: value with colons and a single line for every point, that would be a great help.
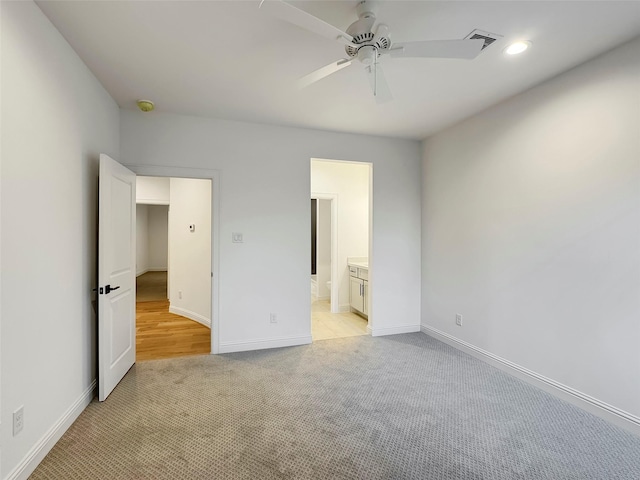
x: 488, y: 38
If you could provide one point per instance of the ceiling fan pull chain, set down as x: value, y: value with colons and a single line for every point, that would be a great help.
x: 375, y: 75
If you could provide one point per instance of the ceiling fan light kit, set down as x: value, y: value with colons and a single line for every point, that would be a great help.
x: 367, y: 41
x: 145, y: 105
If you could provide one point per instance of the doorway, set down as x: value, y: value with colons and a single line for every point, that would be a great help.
x: 214, y: 177
x: 340, y: 239
x: 173, y: 275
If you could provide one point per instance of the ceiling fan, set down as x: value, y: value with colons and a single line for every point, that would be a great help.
x: 366, y: 44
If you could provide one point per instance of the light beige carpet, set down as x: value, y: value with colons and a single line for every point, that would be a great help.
x: 398, y: 407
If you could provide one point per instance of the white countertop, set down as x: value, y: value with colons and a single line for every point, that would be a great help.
x: 358, y: 263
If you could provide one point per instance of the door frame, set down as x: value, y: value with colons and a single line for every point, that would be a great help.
x: 214, y: 176
x: 333, y: 197
x: 334, y: 214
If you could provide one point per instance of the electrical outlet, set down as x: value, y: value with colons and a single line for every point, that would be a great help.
x: 273, y: 318
x: 458, y: 319
x: 18, y: 421
x: 180, y: 294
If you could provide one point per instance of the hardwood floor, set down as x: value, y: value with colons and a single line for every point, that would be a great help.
x: 151, y: 286
x: 160, y: 334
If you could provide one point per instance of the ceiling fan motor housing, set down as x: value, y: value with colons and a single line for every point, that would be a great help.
x: 362, y: 30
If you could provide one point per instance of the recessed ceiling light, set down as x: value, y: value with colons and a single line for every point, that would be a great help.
x: 517, y: 47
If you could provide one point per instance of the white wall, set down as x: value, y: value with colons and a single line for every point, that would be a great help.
x: 350, y: 181
x: 158, y: 237
x: 190, y: 257
x: 323, y: 247
x: 264, y: 194
x: 531, y: 229
x: 152, y: 190
x: 152, y: 237
x: 142, y: 239
x: 56, y: 120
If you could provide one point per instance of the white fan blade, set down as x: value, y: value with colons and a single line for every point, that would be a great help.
x: 467, y: 49
x: 323, y: 72
x: 291, y: 14
x: 378, y: 83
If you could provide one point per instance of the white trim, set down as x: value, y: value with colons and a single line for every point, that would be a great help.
x: 335, y: 290
x: 344, y: 309
x: 229, y: 347
x: 196, y: 317
x: 147, y: 270
x: 215, y: 177
x: 396, y: 329
x: 151, y: 201
x: 49, y: 439
x: 601, y: 409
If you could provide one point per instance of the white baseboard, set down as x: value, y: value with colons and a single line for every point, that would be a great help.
x: 592, y: 405
x: 381, y: 331
x: 344, y: 308
x: 151, y: 201
x: 49, y: 439
x: 229, y: 347
x: 183, y: 312
x: 146, y: 270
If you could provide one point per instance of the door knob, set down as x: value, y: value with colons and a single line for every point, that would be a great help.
x: 109, y: 288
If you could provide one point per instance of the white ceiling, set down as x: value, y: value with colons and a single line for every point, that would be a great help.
x: 228, y: 59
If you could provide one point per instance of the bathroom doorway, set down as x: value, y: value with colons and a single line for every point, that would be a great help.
x: 340, y: 234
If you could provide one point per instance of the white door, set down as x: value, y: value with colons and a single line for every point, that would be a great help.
x: 116, y: 274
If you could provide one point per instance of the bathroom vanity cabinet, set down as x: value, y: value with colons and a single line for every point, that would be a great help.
x: 358, y: 288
